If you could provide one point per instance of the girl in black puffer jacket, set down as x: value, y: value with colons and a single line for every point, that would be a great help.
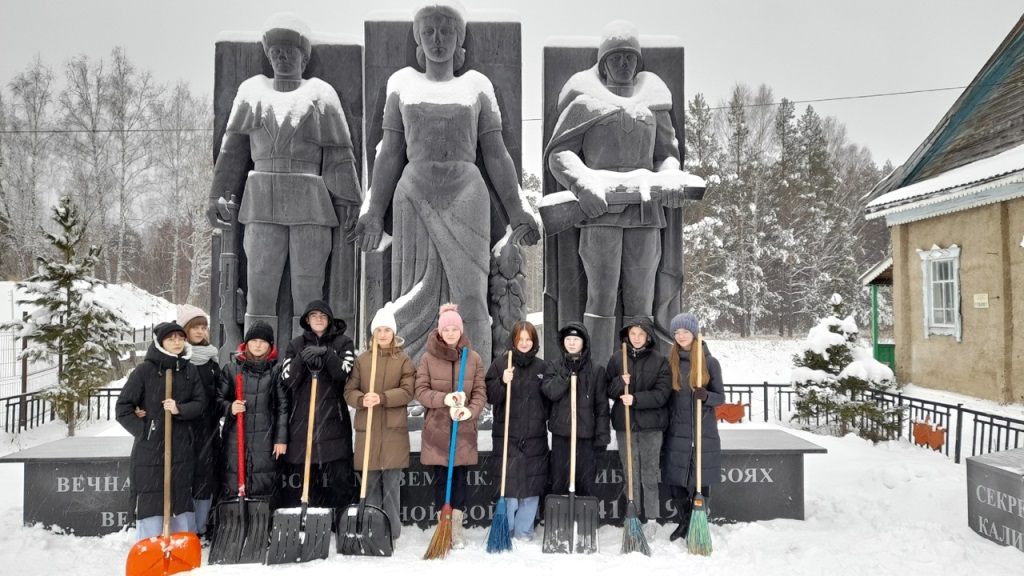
x: 592, y: 432
x: 650, y: 383
x: 265, y: 406
x: 143, y: 409
x: 527, y: 471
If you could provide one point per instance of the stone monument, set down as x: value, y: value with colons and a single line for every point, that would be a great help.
x: 286, y: 186
x: 443, y: 100
x: 613, y: 119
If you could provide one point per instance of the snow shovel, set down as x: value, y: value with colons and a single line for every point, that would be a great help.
x: 243, y: 523
x: 366, y: 530
x: 571, y: 522
x: 169, y: 553
x: 303, y: 534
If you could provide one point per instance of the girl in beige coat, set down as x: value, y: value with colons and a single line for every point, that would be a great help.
x: 437, y: 379
x: 389, y: 439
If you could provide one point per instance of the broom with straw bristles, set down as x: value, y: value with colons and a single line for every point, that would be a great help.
x: 698, y: 539
x: 500, y: 538
x: 441, y: 543
x: 633, y: 538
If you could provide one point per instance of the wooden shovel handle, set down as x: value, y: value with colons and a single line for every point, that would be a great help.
x: 629, y: 436
x: 168, y: 389
x: 508, y: 402
x: 309, y: 439
x: 369, y: 419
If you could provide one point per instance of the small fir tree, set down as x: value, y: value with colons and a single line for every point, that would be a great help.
x: 66, y: 321
x: 837, y: 382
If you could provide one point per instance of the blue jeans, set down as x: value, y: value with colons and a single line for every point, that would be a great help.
x: 521, y: 515
x: 154, y: 525
x: 202, y: 514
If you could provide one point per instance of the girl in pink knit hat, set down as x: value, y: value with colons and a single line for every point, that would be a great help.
x: 437, y: 381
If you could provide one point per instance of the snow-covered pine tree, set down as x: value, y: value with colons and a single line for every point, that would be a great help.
x: 836, y: 382
x: 66, y: 321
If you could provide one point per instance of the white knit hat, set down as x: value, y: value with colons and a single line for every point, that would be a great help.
x: 385, y: 317
x: 188, y: 313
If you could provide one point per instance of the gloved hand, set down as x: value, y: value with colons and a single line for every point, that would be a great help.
x: 460, y: 413
x: 455, y: 399
x: 310, y: 352
x: 315, y: 363
x: 700, y: 393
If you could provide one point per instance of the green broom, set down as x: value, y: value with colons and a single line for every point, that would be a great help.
x: 698, y: 539
x: 500, y: 539
x: 633, y: 538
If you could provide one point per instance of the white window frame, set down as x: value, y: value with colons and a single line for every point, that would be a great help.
x: 929, y: 258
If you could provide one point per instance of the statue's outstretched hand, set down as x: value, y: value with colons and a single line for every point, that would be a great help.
x: 367, y: 232
x: 592, y: 204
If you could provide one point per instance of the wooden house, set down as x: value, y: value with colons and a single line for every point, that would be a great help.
x: 955, y: 209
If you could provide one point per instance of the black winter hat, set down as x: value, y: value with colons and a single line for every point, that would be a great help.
x: 164, y: 329
x: 260, y: 330
x: 573, y: 329
x: 316, y: 306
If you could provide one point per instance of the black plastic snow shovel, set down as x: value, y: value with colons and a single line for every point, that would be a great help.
x: 302, y: 534
x: 243, y: 523
x: 366, y: 530
x: 571, y: 522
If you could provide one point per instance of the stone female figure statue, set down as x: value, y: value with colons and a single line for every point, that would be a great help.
x: 434, y: 122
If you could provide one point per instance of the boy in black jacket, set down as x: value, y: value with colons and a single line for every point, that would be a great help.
x: 592, y: 431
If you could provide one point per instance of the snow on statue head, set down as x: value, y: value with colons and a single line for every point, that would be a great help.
x: 454, y: 12
x: 619, y: 36
x: 287, y: 28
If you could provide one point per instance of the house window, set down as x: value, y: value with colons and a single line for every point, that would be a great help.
x: 940, y: 269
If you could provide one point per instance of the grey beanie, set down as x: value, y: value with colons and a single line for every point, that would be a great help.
x: 687, y: 322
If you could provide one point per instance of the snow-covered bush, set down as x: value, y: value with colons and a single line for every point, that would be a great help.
x: 837, y: 382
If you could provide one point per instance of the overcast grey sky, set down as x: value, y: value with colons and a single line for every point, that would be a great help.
x: 803, y: 49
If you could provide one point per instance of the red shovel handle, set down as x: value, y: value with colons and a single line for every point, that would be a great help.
x: 240, y: 427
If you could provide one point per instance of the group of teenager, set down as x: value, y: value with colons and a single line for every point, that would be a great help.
x: 660, y: 392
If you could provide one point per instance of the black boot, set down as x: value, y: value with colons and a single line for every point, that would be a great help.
x: 684, y: 506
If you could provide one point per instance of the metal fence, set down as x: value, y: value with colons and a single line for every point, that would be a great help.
x: 964, y: 431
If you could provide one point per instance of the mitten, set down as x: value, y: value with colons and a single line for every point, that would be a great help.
x: 460, y: 413
x: 700, y: 393
x: 455, y: 399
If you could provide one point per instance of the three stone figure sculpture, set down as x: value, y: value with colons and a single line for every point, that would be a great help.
x: 615, y: 152
x: 303, y: 193
x: 425, y: 171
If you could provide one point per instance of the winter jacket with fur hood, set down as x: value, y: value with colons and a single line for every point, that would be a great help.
x: 436, y: 376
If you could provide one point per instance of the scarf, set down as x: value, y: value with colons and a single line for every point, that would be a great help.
x: 202, y: 354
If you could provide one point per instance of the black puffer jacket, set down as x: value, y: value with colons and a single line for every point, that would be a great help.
x: 146, y: 389
x: 207, y: 433
x: 678, y: 447
x: 527, y: 469
x: 265, y: 421
x: 650, y: 383
x: 332, y: 434
x: 591, y: 392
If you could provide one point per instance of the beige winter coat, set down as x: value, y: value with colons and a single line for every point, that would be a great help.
x: 438, y: 375
x: 389, y: 439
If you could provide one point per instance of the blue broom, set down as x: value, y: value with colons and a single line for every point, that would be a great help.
x: 441, y: 543
x: 698, y: 539
x: 500, y: 538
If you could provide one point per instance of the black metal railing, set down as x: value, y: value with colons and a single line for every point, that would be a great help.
x: 966, y: 432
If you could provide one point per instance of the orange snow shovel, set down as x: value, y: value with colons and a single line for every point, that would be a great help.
x: 169, y: 553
